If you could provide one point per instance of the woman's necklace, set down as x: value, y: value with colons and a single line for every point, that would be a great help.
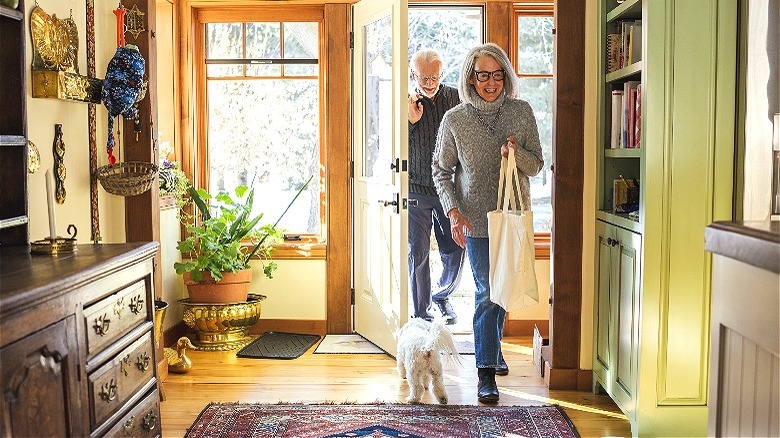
x: 491, y: 127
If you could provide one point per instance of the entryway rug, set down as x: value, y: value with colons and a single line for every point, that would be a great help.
x: 464, y: 343
x: 347, y: 344
x: 278, y: 345
x: 380, y: 420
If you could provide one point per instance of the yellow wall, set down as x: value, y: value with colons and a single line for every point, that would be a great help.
x: 589, y: 185
x: 43, y: 114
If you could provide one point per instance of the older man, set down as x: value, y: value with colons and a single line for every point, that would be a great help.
x: 427, y: 105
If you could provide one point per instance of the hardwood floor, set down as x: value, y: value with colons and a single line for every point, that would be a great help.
x: 366, y: 378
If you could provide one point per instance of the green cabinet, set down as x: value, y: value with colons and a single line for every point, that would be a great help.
x: 617, y: 312
x: 652, y: 274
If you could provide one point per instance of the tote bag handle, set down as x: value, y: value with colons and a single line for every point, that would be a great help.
x: 508, y: 179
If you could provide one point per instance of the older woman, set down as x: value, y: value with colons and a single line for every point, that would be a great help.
x: 473, y: 137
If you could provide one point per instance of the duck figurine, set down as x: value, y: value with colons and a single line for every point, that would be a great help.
x: 178, y: 362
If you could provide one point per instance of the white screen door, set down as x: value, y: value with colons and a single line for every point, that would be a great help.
x: 380, y: 187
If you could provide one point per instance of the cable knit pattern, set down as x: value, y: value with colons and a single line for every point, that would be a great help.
x: 422, y: 139
x: 466, y: 153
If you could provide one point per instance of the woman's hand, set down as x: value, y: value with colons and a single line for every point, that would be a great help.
x: 415, y: 108
x: 458, y: 226
x: 511, y: 142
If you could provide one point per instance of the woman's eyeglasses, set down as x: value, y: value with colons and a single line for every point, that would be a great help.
x: 484, y: 76
x: 426, y: 79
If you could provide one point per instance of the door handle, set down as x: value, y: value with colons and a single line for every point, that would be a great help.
x: 393, y: 202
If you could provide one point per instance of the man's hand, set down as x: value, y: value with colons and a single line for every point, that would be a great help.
x: 415, y: 108
x: 458, y: 226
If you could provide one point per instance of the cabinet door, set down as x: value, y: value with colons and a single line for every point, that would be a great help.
x: 39, y: 377
x: 604, y: 242
x: 626, y: 254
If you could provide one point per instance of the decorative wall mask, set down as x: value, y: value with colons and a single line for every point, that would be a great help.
x: 33, y: 157
x: 55, y: 42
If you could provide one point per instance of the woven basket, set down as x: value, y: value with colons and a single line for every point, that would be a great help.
x: 127, y: 179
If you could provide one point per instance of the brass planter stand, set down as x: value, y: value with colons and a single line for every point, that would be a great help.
x: 222, y: 327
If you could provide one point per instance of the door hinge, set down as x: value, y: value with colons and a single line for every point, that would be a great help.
x: 352, y: 40
x: 352, y: 296
x: 352, y: 169
x: 409, y: 203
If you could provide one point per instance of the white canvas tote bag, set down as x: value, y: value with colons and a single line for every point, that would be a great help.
x: 511, y: 235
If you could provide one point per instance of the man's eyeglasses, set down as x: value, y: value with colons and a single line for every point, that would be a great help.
x: 425, y: 79
x: 483, y: 76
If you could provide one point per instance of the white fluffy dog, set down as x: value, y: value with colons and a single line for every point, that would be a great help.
x: 420, y: 347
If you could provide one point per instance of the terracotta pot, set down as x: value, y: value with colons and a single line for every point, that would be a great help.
x: 233, y: 288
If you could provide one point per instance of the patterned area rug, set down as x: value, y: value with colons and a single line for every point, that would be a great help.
x: 379, y: 421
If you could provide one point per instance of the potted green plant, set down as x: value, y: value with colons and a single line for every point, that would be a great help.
x: 222, y: 237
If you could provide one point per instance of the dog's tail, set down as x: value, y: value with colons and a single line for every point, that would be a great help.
x: 444, y: 342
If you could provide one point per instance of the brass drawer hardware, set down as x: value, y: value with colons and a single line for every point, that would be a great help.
x: 150, y: 421
x: 143, y: 361
x: 108, y: 391
x: 102, y: 324
x: 119, y: 307
x: 136, y: 304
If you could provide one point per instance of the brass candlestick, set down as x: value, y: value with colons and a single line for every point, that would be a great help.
x: 56, y: 245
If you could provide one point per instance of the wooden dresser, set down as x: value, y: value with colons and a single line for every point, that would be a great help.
x: 744, y: 392
x: 77, y: 354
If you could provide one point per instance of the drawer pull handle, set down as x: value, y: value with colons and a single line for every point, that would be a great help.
x: 108, y: 391
x: 129, y: 425
x: 125, y: 363
x: 143, y: 361
x: 56, y: 356
x: 119, y: 307
x: 101, y: 325
x: 150, y: 421
x: 136, y: 304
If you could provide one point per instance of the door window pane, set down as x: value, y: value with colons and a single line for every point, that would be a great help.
x: 378, y: 104
x: 538, y: 92
x: 535, y: 45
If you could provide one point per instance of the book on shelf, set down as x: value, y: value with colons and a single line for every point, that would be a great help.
x: 613, y: 52
x: 638, y: 117
x: 635, y: 42
x: 617, y: 113
x: 629, y: 113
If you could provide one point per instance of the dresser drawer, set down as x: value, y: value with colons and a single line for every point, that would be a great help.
x: 116, y: 381
x: 143, y: 421
x: 110, y: 318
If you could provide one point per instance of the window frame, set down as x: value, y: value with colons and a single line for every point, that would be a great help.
x: 543, y: 8
x: 309, y: 246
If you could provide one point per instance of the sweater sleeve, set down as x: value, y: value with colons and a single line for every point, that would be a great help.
x: 445, y: 160
x: 529, y: 158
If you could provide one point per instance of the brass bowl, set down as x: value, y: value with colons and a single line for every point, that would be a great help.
x: 221, y: 327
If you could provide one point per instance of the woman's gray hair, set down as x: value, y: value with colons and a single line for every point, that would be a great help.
x: 467, y: 92
x: 424, y: 55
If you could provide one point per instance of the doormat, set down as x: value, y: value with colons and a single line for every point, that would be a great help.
x: 347, y: 344
x: 380, y: 420
x: 464, y: 343
x: 278, y: 345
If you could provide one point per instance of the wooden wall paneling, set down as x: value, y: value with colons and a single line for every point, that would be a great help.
x: 568, y: 144
x: 142, y: 216
x: 338, y: 23
x: 498, y: 19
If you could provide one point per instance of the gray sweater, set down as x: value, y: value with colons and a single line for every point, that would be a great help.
x: 422, y: 138
x: 467, y: 159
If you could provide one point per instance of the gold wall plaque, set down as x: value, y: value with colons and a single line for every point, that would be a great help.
x: 66, y: 85
x: 55, y: 42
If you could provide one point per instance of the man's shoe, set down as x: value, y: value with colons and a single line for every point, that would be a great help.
x: 487, y: 391
x: 502, y: 370
x: 447, y: 311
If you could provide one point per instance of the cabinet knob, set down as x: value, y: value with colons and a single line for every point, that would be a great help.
x: 108, y: 391
x: 136, y: 304
x: 102, y: 325
x: 611, y: 241
x: 150, y: 421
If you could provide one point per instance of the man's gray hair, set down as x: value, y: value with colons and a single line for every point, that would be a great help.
x: 424, y: 55
x: 468, y: 93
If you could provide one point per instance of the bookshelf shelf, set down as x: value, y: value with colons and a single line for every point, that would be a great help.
x: 623, y: 153
x: 619, y: 219
x: 11, y: 13
x: 629, y: 9
x: 631, y: 71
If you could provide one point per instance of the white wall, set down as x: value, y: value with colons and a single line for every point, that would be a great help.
x: 43, y: 114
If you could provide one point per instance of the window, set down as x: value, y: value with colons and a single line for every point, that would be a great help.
x: 436, y: 27
x: 534, y: 62
x: 262, y: 107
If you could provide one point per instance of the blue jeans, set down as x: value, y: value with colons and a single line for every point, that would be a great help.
x: 427, y: 214
x: 488, y: 316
